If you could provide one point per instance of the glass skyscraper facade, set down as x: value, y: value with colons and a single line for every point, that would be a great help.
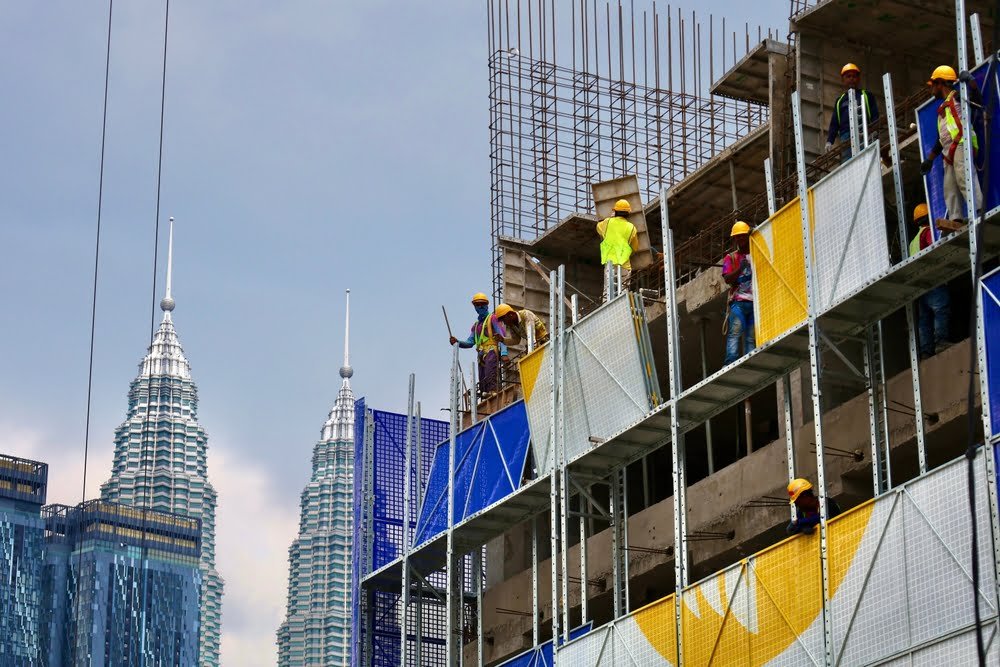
x: 317, y: 626
x: 121, y: 587
x: 160, y: 457
x: 22, y: 541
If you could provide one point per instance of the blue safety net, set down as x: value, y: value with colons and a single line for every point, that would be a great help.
x: 988, y: 82
x: 385, y: 486
x: 990, y: 296
x: 489, y: 465
x: 541, y: 655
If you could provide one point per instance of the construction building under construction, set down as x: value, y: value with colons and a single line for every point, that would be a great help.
x: 625, y: 491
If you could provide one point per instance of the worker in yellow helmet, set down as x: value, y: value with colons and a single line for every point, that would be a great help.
x: 840, y: 120
x: 933, y: 308
x: 738, y: 274
x: 518, y: 323
x: 487, y: 337
x: 807, y: 507
x: 618, y: 236
x: 951, y: 144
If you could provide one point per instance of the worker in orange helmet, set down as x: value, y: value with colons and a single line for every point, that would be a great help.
x: 933, y: 308
x: 951, y: 144
x: 738, y: 274
x: 619, y: 238
x: 807, y: 507
x: 840, y: 120
x: 519, y: 322
x: 487, y: 337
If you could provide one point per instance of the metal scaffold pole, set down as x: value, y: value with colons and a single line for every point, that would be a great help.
x: 368, y: 505
x: 407, y: 483
x: 554, y: 343
x: 453, y: 600
x: 418, y: 620
x: 911, y: 330
x: 564, y: 472
x: 676, y: 440
x: 814, y: 367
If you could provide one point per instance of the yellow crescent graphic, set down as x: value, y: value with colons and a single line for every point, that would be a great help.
x: 754, y: 626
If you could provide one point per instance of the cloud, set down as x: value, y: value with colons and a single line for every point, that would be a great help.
x: 254, y: 531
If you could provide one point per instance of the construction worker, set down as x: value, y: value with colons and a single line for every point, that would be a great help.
x: 951, y: 144
x: 807, y: 507
x: 738, y: 274
x: 933, y: 308
x: 619, y: 237
x: 487, y: 337
x: 840, y: 121
x: 518, y: 323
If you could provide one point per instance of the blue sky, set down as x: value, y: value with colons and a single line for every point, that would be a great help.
x: 308, y: 147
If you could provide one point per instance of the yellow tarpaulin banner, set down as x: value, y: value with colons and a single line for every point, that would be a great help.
x: 779, y: 273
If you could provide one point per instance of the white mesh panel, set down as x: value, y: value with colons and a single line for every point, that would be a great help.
x: 849, y: 235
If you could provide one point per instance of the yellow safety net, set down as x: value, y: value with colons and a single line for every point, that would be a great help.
x: 779, y: 270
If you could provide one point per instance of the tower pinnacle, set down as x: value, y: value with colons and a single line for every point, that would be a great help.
x: 346, y: 371
x: 167, y: 302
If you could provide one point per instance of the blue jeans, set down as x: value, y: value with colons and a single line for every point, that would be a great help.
x: 740, y: 328
x: 934, y: 313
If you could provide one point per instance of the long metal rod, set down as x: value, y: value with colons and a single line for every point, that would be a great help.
x: 407, y: 483
x: 584, y: 588
x: 977, y: 39
x: 710, y: 455
x: 884, y: 405
x: 911, y: 329
x: 452, y: 600
x: 874, y: 431
x: 478, y: 575
x: 554, y: 470
x: 535, y: 641
x: 676, y: 442
x: 786, y: 387
x: 814, y: 365
x: 418, y: 620
x: 564, y: 481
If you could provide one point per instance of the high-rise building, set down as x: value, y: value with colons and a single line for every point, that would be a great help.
x: 121, y: 587
x: 160, y: 459
x: 317, y: 626
x: 22, y: 531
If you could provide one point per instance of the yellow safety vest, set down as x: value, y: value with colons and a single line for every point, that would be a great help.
x: 951, y: 123
x: 915, y: 243
x: 483, y: 335
x: 615, y: 247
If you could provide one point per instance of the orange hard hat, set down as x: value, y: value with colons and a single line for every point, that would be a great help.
x: 920, y: 211
x: 796, y: 487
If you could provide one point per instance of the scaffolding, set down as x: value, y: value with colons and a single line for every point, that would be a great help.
x: 604, y: 92
x: 889, y: 579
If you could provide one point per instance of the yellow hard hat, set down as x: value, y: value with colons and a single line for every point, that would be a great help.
x: 479, y: 296
x: 503, y: 309
x: 849, y: 67
x: 740, y: 228
x: 943, y: 72
x: 622, y: 205
x: 920, y: 211
x: 796, y: 487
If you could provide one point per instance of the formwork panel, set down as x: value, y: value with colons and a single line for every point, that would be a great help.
x: 849, y: 240
x: 779, y: 273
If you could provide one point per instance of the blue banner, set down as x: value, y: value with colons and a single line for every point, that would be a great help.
x: 990, y: 297
x: 541, y: 656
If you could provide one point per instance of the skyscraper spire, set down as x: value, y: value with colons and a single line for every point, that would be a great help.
x: 346, y: 371
x: 167, y: 302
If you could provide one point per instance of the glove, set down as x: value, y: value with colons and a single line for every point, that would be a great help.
x: 964, y: 76
x: 452, y: 340
x: 925, y: 167
x: 828, y: 146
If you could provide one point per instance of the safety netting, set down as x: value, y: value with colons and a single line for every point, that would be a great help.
x: 379, y: 462
x: 898, y: 587
x: 541, y: 656
x: 490, y: 460
x: 849, y: 239
x: 986, y: 76
x: 989, y: 297
x: 609, y: 380
x: 779, y: 273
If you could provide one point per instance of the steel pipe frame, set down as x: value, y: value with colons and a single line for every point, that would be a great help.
x: 563, y: 472
x: 554, y: 503
x: 452, y: 647
x: 405, y: 585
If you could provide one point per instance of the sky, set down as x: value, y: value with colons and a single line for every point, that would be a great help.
x: 308, y: 147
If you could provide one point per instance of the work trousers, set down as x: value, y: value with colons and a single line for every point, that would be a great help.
x: 934, y: 319
x: 741, y: 328
x: 489, y: 371
x: 954, y: 185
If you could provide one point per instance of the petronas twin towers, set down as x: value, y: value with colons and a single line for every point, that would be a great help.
x: 160, y: 457
x: 317, y: 628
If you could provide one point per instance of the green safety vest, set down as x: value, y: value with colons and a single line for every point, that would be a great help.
x: 864, y: 99
x: 915, y: 243
x: 615, y: 247
x: 952, y: 125
x: 484, y: 335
